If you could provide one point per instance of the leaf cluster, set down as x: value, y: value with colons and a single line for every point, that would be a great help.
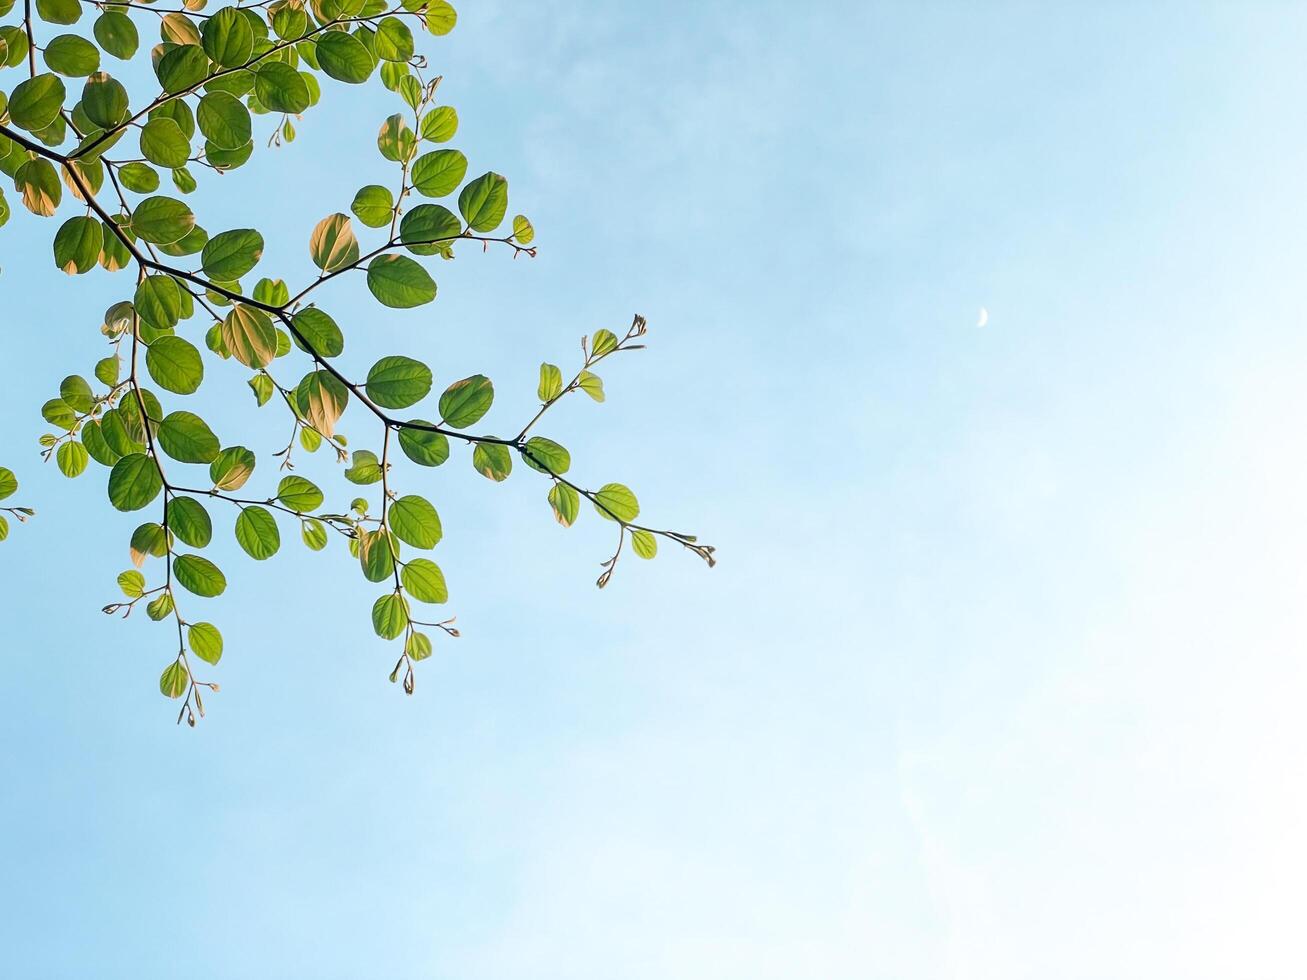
x: 118, y: 167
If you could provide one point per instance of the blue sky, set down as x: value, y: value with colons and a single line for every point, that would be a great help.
x: 1001, y: 673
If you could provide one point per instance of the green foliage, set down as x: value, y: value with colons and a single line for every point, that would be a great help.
x: 231, y: 81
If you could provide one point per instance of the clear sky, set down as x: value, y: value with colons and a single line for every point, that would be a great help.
x: 1001, y: 673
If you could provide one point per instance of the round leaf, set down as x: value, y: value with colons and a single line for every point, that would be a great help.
x: 390, y: 616
x: 257, y: 533
x: 414, y: 521
x: 465, y: 402
x: 399, y: 282
x: 175, y: 364
x: 344, y: 57
x: 134, y: 481
x: 398, y: 382
x: 422, y: 446
x: 616, y: 502
x: 229, y: 255
x: 484, y: 202
x: 187, y: 438
x: 199, y: 575
x: 424, y: 581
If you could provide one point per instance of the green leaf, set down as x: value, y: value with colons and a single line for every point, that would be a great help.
x: 77, y: 245
x: 273, y: 292
x: 162, y: 220
x: 440, y: 124
x: 113, y: 253
x: 375, y: 555
x: 465, y: 402
x: 116, y: 33
x: 257, y: 533
x: 72, y: 458
x: 551, y: 382
x: 227, y: 159
x: 398, y: 382
x: 395, y: 140
x: 424, y: 581
x: 522, y: 230
x: 441, y: 17
x: 290, y: 22
x: 71, y: 55
x: 429, y: 228
x: 199, y: 575
x: 76, y: 391
x: 603, y: 342
x: 321, y: 399
x: 134, y: 481
x: 104, y: 100
x: 231, y: 468
x: 148, y: 540
x: 414, y: 521
x: 39, y: 186
x: 94, y: 441
x: 417, y: 646
x: 139, y: 177
x: 281, y: 88
x: 644, y: 543
x: 299, y: 494
x: 228, y: 38
x: 314, y: 534
x: 439, y: 172
x: 332, y: 245
x: 248, y: 335
x: 13, y: 46
x: 547, y: 456
x: 173, y: 680
x: 566, y: 503
x: 158, y: 302
x: 592, y: 385
x: 132, y: 583
x: 422, y: 446
x: 229, y: 255
x: 616, y: 502
x: 484, y: 202
x: 182, y: 68
x: 116, y: 436
x: 373, y: 205
x: 492, y: 461
x: 163, y: 143
x: 59, y: 413
x: 161, y: 607
x: 224, y: 120
x: 175, y: 364
x: 188, y: 519
x: 187, y: 438
x: 344, y: 57
x: 205, y: 640
x: 320, y: 332
x: 394, y: 41
x: 365, y: 468
x: 35, y: 103
x: 399, y: 282
x: 390, y: 616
